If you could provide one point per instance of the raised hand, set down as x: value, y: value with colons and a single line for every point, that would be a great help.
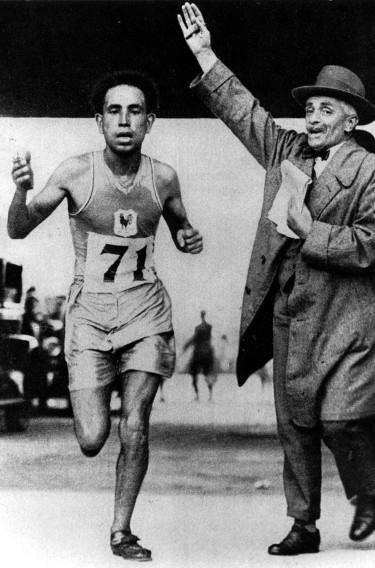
x: 194, y: 29
x: 22, y: 172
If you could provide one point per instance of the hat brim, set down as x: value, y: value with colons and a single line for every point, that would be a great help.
x: 365, y: 109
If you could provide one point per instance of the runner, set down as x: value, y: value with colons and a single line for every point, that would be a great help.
x: 118, y: 320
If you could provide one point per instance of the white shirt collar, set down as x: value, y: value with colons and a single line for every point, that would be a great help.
x: 320, y: 164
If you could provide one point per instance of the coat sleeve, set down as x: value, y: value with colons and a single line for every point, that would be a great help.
x: 230, y: 101
x: 349, y: 249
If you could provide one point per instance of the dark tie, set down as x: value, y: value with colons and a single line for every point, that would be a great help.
x: 308, y: 152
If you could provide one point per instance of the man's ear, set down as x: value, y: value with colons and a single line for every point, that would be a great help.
x: 150, y: 121
x: 99, y: 122
x: 351, y: 123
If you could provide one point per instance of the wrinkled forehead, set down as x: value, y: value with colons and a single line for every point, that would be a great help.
x: 124, y: 95
x: 320, y: 101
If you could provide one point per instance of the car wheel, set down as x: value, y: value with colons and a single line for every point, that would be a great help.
x: 17, y: 419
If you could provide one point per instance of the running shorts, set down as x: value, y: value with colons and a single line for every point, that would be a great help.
x: 108, y: 334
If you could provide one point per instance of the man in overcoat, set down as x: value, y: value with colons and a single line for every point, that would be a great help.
x: 309, y: 299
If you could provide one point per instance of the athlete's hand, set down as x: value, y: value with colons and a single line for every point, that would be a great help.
x: 22, y: 172
x: 190, y: 240
x: 194, y: 29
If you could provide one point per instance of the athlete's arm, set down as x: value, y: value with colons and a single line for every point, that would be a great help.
x: 23, y: 217
x: 185, y: 237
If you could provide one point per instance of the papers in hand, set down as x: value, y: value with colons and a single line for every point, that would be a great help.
x: 294, y: 182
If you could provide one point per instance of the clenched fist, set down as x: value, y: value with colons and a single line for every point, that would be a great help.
x: 190, y: 240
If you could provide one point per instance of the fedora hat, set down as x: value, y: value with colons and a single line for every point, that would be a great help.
x: 340, y: 83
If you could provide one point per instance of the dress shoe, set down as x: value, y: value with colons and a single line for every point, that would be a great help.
x: 364, y: 518
x: 298, y: 541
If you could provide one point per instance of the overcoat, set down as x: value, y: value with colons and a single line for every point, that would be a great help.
x: 330, y: 370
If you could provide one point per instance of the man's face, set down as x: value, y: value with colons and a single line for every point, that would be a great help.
x: 327, y: 122
x: 124, y: 122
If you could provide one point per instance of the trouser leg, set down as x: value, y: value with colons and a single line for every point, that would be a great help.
x: 302, y: 446
x: 353, y: 446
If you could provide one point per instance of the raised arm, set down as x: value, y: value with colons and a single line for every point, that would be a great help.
x: 229, y: 100
x: 197, y: 36
x: 23, y: 217
x: 185, y: 237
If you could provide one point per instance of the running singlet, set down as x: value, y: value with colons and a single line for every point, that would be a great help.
x: 114, y: 230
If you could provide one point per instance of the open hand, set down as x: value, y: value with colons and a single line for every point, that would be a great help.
x: 194, y: 28
x: 190, y: 240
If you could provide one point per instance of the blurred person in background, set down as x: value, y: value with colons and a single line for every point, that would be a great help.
x: 202, y: 360
x: 32, y: 319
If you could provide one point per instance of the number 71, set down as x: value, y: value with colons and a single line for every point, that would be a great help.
x: 119, y: 251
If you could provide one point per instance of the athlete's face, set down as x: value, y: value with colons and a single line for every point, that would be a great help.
x: 124, y: 122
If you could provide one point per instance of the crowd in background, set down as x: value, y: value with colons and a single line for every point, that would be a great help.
x: 45, y: 371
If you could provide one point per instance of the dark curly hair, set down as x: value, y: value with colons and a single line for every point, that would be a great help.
x: 125, y: 77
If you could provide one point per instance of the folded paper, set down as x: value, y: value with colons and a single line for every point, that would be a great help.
x: 294, y: 183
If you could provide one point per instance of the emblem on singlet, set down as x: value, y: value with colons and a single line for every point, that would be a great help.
x: 125, y: 223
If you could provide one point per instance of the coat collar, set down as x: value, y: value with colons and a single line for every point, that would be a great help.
x: 339, y: 173
x: 304, y: 164
x: 346, y: 162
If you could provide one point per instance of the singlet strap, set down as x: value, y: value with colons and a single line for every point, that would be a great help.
x: 91, y: 190
x: 156, y: 193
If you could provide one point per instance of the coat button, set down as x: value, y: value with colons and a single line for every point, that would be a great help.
x: 247, y: 289
x: 263, y: 259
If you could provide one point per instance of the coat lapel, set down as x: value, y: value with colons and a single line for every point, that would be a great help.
x: 305, y: 165
x: 339, y: 173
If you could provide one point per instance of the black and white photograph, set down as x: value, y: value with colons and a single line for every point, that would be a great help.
x: 187, y: 283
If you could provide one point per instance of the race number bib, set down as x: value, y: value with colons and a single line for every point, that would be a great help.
x: 115, y: 263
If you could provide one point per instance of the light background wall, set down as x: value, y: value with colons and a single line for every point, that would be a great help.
x: 222, y: 191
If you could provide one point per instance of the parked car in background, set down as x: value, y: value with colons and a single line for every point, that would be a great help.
x: 14, y: 349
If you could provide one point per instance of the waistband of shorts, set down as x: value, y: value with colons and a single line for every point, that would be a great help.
x: 79, y: 282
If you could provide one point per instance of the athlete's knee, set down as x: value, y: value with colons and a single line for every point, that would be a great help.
x: 134, y: 427
x: 91, y: 444
x: 90, y: 452
x: 91, y: 439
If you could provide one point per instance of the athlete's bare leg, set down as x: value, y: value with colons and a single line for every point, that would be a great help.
x: 139, y: 390
x: 92, y: 424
